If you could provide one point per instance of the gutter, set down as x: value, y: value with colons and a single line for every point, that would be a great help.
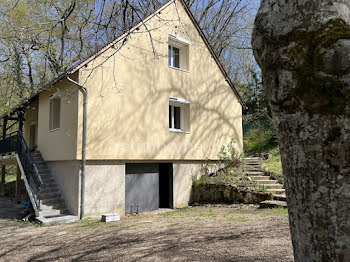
x: 83, y: 152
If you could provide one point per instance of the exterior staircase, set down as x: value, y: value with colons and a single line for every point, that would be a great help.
x: 253, y: 169
x: 53, y: 209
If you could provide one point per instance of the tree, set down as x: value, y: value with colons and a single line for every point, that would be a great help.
x: 302, y: 47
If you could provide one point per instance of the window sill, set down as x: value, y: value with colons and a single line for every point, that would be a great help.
x: 53, y: 130
x: 179, y: 69
x: 178, y: 131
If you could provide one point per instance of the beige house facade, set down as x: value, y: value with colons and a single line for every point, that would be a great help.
x: 159, y: 106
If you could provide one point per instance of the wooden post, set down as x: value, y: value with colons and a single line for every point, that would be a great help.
x: 21, y: 118
x: 3, y: 167
x: 2, y: 182
x: 18, y: 189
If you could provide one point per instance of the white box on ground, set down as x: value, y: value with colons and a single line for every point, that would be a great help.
x: 110, y: 217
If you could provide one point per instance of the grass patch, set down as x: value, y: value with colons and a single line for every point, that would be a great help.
x: 10, y: 178
x: 190, y: 212
x: 237, y: 218
x: 274, y: 164
x: 278, y: 211
x: 92, y: 223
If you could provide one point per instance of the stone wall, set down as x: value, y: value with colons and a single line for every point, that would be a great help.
x: 206, y: 193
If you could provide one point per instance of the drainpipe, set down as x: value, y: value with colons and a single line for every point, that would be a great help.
x: 83, y: 152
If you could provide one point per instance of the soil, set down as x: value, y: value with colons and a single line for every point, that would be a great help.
x: 202, y: 233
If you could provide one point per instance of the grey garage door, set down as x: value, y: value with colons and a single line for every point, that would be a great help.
x: 141, y: 187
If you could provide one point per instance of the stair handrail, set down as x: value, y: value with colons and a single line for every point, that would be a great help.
x: 30, y: 169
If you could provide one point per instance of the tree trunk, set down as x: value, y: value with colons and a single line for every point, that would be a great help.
x: 303, y: 49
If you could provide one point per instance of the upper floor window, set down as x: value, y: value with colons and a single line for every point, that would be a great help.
x: 55, y: 111
x: 178, y: 53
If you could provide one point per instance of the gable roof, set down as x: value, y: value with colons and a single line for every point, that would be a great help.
x: 75, y: 67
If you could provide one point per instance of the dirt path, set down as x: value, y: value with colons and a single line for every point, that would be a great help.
x: 211, y: 233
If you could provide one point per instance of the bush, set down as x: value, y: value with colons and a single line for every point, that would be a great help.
x: 259, y: 141
x: 230, y: 156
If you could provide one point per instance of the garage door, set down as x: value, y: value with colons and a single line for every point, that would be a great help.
x: 141, y: 187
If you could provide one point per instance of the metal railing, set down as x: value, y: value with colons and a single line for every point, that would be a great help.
x: 31, y: 171
x: 16, y: 143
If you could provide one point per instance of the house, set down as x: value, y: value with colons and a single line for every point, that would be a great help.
x: 128, y: 128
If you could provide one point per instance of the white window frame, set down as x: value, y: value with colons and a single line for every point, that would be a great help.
x: 181, y: 44
x: 182, y: 126
x: 172, y: 58
x: 177, y: 102
x: 51, y: 112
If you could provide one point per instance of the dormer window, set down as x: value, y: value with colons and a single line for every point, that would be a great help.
x: 178, y: 53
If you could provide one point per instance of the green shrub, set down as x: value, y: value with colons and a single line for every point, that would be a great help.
x: 230, y: 156
x: 259, y: 141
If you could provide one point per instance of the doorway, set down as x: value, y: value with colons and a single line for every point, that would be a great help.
x: 148, y: 187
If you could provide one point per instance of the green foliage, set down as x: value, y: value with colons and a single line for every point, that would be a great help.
x: 230, y: 156
x: 259, y: 140
x: 273, y: 166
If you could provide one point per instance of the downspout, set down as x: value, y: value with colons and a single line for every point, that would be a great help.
x: 83, y: 151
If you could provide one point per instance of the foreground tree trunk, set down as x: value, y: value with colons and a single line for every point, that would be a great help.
x: 303, y: 49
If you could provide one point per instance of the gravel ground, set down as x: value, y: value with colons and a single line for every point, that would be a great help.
x: 203, y: 233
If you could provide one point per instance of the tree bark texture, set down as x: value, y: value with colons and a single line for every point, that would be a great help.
x: 303, y: 49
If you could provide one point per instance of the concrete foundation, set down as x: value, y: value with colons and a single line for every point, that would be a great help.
x: 105, y: 185
x: 67, y: 175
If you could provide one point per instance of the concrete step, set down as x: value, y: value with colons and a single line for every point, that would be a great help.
x: 49, y: 185
x: 44, y: 170
x: 281, y: 197
x: 49, y: 190
x: 63, y: 219
x: 277, y: 191
x: 46, y: 175
x: 58, y: 205
x: 53, y: 212
x: 50, y: 195
x: 254, y: 173
x: 273, y: 204
x: 267, y: 182
x: 48, y: 180
x: 51, y: 201
x: 259, y: 178
x: 274, y: 186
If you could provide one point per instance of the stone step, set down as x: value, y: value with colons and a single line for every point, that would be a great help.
x: 55, y: 220
x: 251, y: 158
x: 267, y: 182
x: 254, y: 173
x: 258, y: 178
x: 252, y: 163
x: 281, y: 197
x: 53, y: 212
x: 274, y: 186
x: 273, y: 204
x: 277, y: 191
